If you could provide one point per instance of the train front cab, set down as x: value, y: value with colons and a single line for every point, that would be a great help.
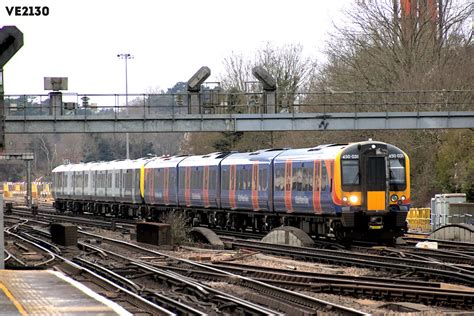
x: 375, y: 190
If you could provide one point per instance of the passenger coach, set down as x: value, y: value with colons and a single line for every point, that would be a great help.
x: 356, y: 190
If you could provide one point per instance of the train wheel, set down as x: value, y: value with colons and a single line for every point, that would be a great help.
x: 144, y: 212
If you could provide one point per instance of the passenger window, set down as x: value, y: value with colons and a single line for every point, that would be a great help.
x: 310, y: 179
x: 225, y: 179
x: 232, y: 178
x: 324, y: 178
x: 247, y: 179
x: 279, y: 179
x: 264, y: 182
x: 305, y: 179
x: 293, y: 179
x: 181, y: 178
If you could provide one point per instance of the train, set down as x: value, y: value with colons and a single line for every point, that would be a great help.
x: 350, y: 191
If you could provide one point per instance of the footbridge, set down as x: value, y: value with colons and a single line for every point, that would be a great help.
x: 212, y: 110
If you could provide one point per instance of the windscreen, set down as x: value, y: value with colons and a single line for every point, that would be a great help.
x: 350, y: 174
x: 397, y: 174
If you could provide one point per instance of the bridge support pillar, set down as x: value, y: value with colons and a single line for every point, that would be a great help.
x: 194, y: 103
x: 269, y: 102
x: 56, y: 103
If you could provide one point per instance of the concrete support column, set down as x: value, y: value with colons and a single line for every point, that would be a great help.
x: 269, y: 102
x: 56, y: 103
x: 194, y: 103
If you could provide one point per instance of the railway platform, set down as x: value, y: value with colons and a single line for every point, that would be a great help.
x: 46, y: 292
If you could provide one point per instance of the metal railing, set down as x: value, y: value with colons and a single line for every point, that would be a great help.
x: 217, y: 102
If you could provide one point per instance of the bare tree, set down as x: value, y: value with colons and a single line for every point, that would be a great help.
x: 287, y: 64
x: 50, y: 153
x: 407, y: 45
x: 387, y: 45
x: 238, y: 71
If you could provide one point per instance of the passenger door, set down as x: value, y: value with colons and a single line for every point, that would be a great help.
x: 374, y: 184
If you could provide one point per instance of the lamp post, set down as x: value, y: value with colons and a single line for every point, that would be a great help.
x: 126, y: 57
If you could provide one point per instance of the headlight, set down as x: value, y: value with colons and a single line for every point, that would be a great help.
x: 403, y: 198
x: 353, y: 199
x: 394, y: 198
x: 344, y: 198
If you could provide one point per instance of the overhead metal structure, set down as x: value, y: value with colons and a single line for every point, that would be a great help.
x: 238, y: 122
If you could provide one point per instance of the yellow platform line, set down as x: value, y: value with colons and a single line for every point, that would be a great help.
x: 10, y: 296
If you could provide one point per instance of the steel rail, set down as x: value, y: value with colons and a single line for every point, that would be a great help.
x: 200, y: 290
x: 117, y: 223
x: 330, y: 253
x: 11, y: 256
x: 8, y: 255
x: 44, y: 262
x: 136, y: 288
x: 338, y: 278
x: 245, y: 305
x: 378, y: 290
x: 446, y: 271
x: 260, y: 287
x: 158, y: 310
x: 460, y: 245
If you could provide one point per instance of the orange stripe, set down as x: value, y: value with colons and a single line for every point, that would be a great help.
x: 288, y: 183
x: 255, y: 186
x: 335, y: 198
x: 329, y: 171
x: 232, y: 187
x: 317, y: 187
x: 205, y: 186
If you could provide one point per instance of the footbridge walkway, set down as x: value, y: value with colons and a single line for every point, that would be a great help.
x: 211, y: 110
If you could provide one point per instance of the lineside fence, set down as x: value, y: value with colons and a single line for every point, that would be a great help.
x: 39, y: 190
x: 217, y: 101
x: 419, y: 219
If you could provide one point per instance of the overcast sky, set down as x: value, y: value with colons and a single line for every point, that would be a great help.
x: 170, y: 40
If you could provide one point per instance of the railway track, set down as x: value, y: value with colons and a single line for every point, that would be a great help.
x: 447, y: 272
x: 121, y: 273
x: 458, y: 246
x: 129, y: 300
x: 111, y: 223
x: 395, y: 290
x: 198, y: 298
x: 441, y: 255
x: 287, y: 300
x: 463, y: 259
x: 367, y: 287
